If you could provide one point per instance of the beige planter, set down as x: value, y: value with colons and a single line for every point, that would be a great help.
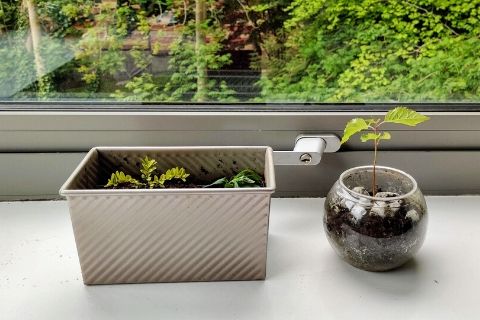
x: 170, y: 235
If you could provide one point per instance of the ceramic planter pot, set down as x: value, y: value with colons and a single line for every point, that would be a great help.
x: 170, y: 235
x: 375, y: 233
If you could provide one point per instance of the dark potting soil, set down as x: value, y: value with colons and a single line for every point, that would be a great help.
x: 373, y: 225
x: 376, y: 238
x: 370, y: 224
x: 179, y: 184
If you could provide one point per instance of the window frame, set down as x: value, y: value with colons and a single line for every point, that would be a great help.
x: 46, y: 144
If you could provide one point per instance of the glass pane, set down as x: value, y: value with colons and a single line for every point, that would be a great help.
x: 229, y: 51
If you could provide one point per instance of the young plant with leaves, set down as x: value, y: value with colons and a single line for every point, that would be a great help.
x: 246, y: 178
x: 148, y: 180
x: 399, y: 115
x: 169, y: 175
x: 121, y: 180
x: 147, y: 169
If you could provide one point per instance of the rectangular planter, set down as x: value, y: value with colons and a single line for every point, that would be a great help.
x: 170, y: 235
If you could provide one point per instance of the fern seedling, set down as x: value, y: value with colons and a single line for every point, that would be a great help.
x: 119, y: 178
x: 147, y: 169
x: 149, y: 180
x: 246, y: 178
x: 399, y: 115
x: 169, y: 175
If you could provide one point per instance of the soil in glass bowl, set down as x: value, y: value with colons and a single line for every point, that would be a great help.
x: 375, y: 233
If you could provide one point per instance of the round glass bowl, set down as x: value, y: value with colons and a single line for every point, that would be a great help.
x: 375, y: 233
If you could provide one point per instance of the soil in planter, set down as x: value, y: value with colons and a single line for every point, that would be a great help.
x: 179, y: 184
x: 168, y: 185
x: 373, y: 225
x: 378, y: 237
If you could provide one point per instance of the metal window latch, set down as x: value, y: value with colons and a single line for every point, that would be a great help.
x: 308, y: 150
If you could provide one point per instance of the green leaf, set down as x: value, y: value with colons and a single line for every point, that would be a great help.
x: 119, y: 178
x: 371, y: 121
x: 369, y: 136
x: 354, y: 126
x: 406, y: 116
x: 147, y: 169
x: 246, y: 178
x: 170, y: 174
x: 385, y: 136
x: 221, y: 181
x: 372, y: 136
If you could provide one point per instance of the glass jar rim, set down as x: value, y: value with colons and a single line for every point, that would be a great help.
x: 370, y: 167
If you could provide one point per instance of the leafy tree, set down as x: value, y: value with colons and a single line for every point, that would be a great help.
x: 61, y: 18
x: 197, y: 50
x: 305, y: 50
x: 10, y: 16
x: 373, y: 50
x: 34, y: 47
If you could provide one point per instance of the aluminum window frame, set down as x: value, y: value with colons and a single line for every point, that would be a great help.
x: 46, y: 144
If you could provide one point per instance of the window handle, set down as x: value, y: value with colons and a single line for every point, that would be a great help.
x: 308, y: 150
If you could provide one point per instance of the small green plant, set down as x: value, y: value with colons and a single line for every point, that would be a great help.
x: 398, y: 115
x: 148, y: 167
x: 243, y: 179
x: 120, y: 179
x: 170, y: 174
x: 148, y: 179
x: 246, y: 178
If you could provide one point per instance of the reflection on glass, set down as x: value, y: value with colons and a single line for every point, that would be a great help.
x: 240, y: 50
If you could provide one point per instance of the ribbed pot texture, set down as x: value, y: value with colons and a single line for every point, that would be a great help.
x: 170, y: 235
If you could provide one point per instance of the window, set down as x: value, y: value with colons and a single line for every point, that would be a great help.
x: 239, y: 51
x: 75, y: 74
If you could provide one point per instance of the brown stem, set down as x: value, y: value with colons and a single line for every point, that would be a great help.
x: 245, y: 9
x: 374, y: 187
x: 35, y: 34
x: 185, y: 9
x: 200, y: 16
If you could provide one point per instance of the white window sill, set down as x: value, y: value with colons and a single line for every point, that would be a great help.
x: 40, y: 275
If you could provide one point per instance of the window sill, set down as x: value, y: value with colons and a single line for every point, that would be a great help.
x: 40, y: 275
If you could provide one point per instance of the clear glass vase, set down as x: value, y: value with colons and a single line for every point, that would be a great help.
x: 375, y: 233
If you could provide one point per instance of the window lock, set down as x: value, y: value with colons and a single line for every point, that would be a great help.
x: 308, y: 150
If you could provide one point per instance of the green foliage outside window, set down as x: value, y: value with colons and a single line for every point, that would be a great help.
x: 371, y: 50
x: 296, y: 50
